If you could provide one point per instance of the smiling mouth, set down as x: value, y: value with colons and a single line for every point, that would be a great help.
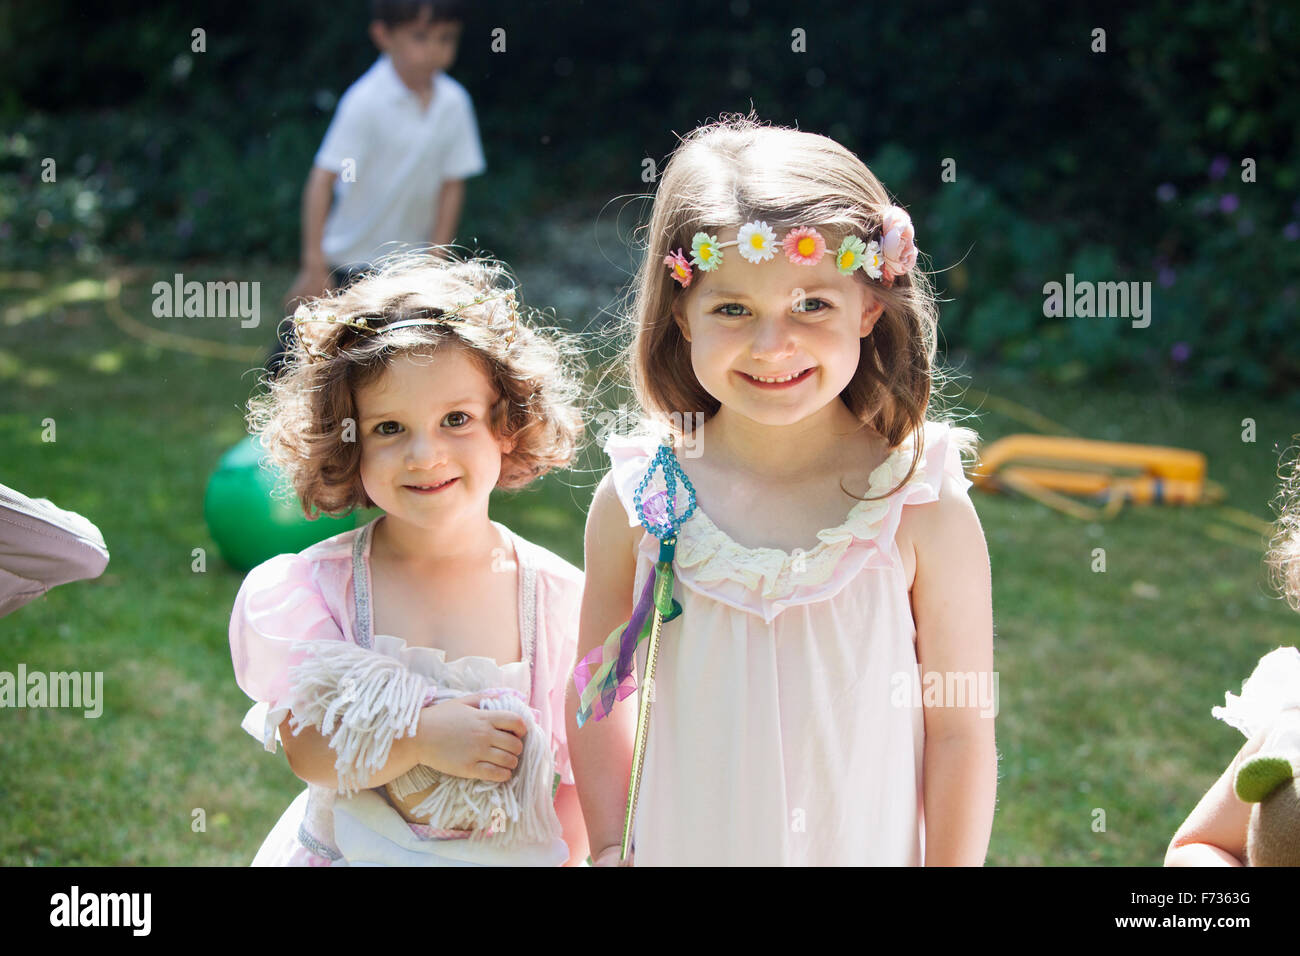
x: 435, y: 487
x: 789, y: 379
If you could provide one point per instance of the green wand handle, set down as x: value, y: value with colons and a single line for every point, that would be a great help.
x: 646, y: 691
x: 645, y: 697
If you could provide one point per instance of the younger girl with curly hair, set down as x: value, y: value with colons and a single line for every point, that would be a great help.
x: 415, y: 668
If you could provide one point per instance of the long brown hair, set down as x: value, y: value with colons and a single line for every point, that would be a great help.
x: 738, y: 170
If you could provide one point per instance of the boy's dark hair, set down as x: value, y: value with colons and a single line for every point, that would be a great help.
x: 394, y: 13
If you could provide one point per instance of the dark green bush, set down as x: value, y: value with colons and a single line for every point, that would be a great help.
x: 1062, y: 153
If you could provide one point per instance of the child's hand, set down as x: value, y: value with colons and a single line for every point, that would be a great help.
x: 610, y: 857
x: 313, y: 279
x: 458, y: 738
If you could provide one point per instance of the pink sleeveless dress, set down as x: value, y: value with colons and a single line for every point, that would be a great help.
x: 324, y: 594
x: 777, y: 735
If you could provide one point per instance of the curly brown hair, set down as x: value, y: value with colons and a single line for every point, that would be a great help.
x: 307, y: 416
x: 1284, y: 549
x: 738, y: 170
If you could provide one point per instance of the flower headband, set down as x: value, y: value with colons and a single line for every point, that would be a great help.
x: 451, y: 317
x: 893, y: 255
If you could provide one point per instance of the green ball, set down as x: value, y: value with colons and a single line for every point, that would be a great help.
x: 247, y: 522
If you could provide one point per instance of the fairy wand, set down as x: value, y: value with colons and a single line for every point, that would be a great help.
x: 608, y: 673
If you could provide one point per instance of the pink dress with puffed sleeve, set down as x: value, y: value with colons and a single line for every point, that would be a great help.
x: 323, y: 594
x: 787, y: 727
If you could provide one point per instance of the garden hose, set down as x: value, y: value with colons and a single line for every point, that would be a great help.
x: 1186, y: 484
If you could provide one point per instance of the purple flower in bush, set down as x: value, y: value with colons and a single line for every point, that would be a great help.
x: 1292, y: 231
x: 1228, y: 203
x: 1181, y: 352
x: 1166, y: 192
x: 1219, y: 168
x: 185, y: 228
x: 200, y: 196
x: 1167, y: 276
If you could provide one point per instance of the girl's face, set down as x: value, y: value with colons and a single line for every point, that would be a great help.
x: 775, y: 319
x: 428, y: 452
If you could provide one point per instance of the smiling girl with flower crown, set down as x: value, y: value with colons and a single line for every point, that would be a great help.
x: 787, y: 543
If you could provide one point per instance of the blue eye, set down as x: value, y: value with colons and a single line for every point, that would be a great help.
x: 805, y: 302
x: 800, y: 306
x: 462, y: 415
x: 731, y: 305
x: 382, y: 430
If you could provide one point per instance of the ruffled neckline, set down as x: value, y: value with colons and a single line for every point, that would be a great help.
x: 859, y: 521
x: 470, y: 672
x: 764, y: 581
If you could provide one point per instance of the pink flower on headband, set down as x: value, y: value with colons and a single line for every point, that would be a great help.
x: 804, y: 246
x: 680, y: 267
x: 897, y: 244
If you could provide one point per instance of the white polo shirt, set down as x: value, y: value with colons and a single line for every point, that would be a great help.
x: 400, y: 155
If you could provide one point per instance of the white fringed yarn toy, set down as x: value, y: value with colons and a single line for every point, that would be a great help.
x: 362, y: 700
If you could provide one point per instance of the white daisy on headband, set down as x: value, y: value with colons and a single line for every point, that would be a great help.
x: 756, y: 242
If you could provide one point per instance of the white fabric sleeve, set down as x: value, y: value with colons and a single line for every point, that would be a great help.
x: 347, y: 137
x: 1272, y: 687
x: 465, y: 158
x: 43, y: 546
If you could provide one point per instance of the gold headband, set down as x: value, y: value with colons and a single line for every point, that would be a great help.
x: 450, y: 317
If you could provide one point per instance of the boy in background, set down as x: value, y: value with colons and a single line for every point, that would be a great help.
x: 394, y: 161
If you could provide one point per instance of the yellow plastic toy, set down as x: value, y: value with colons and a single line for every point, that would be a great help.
x: 1051, y: 468
x: 1048, y: 468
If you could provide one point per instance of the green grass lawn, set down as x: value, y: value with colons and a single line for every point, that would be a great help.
x: 1106, y: 679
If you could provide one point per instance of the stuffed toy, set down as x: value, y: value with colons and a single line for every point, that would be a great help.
x: 1270, y: 702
